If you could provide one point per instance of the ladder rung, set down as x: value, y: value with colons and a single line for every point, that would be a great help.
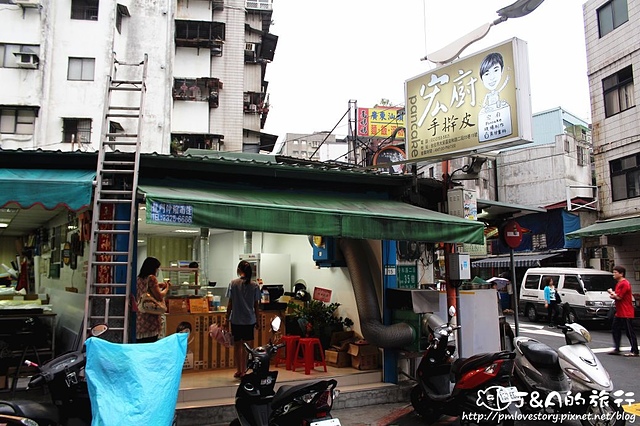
x: 123, y: 115
x: 122, y: 135
x: 117, y: 171
x: 112, y: 222
x: 119, y: 163
x: 109, y: 264
x: 113, y: 143
x: 126, y: 89
x: 125, y: 108
x: 116, y: 192
x: 112, y: 253
x: 112, y: 231
x: 126, y: 81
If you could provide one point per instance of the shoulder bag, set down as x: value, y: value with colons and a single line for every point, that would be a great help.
x: 149, y: 305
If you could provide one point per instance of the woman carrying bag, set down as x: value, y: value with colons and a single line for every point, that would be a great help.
x: 148, y: 326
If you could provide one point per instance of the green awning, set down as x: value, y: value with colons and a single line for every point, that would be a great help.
x: 610, y: 227
x: 48, y: 188
x: 306, y: 213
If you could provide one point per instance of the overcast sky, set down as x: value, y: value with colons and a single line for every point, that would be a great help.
x: 333, y: 51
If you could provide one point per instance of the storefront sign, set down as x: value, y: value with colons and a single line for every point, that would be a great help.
x: 407, y: 276
x: 322, y: 294
x: 380, y: 122
x: 475, y: 104
x: 170, y: 213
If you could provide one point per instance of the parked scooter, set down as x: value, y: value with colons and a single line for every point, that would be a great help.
x: 64, y: 377
x: 258, y: 405
x: 570, y: 370
x: 479, y: 385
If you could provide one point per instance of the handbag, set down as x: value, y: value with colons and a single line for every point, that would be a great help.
x: 149, y: 305
x: 224, y: 337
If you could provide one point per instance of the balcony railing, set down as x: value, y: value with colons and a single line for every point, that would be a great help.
x: 259, y: 4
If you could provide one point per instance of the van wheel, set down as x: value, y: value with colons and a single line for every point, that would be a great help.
x: 531, y: 313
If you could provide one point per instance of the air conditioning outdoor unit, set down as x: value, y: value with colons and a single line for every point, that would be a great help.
x: 250, y: 47
x: 26, y: 60
x: 27, y: 3
x: 253, y: 108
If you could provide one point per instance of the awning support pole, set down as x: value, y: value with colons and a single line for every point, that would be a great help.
x: 514, y: 285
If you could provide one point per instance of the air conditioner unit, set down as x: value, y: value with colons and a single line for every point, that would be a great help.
x: 250, y: 47
x: 253, y: 107
x: 27, y: 3
x: 26, y: 60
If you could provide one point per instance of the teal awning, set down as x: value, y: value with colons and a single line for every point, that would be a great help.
x: 49, y: 188
x: 306, y: 213
x: 610, y: 227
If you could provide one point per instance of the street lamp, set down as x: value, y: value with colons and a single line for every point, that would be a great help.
x: 452, y: 51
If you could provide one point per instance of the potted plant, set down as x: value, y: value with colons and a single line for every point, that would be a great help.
x: 319, y: 319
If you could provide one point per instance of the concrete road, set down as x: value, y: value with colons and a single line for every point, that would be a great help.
x: 623, y: 371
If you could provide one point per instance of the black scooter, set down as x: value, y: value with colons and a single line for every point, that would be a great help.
x: 257, y: 404
x: 477, y: 388
x: 64, y: 378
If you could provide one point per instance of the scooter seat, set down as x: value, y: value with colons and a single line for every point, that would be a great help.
x: 462, y: 365
x: 539, y: 353
x: 31, y: 409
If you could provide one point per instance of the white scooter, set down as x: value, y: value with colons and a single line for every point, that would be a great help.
x: 570, y: 370
x: 587, y: 374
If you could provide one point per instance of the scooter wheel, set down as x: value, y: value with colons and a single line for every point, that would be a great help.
x: 609, y: 415
x: 421, y: 404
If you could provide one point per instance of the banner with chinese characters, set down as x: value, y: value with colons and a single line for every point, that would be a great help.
x: 380, y: 122
x: 475, y: 104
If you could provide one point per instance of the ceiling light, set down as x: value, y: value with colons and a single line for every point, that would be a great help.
x: 187, y: 231
x: 4, y: 225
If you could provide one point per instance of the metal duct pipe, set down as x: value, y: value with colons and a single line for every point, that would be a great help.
x: 385, y: 336
x: 203, y: 277
x: 248, y: 242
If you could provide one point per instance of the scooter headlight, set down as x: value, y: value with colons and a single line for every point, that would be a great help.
x: 585, y: 333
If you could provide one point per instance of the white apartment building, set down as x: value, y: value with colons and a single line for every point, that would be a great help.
x: 206, y: 61
x: 613, y: 65
x: 318, y: 146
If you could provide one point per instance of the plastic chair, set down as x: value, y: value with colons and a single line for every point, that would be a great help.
x: 291, y: 349
x: 305, y: 355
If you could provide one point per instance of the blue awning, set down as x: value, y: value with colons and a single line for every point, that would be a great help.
x: 48, y: 188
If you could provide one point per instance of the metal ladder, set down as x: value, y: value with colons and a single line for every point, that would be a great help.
x: 112, y: 246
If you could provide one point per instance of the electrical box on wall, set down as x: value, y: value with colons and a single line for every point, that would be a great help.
x: 459, y: 266
x: 326, y: 252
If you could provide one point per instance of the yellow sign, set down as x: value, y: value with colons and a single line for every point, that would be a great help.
x: 476, y: 104
x: 381, y: 122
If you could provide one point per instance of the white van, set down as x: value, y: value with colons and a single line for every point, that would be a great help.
x: 584, y: 289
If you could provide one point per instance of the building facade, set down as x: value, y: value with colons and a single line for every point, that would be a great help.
x: 613, y: 62
x: 205, y: 87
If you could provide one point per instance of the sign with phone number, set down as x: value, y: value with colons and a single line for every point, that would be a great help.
x: 170, y: 213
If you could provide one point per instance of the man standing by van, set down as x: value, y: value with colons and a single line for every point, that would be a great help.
x: 624, y: 313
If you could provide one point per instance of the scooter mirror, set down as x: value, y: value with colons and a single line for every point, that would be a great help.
x: 276, y: 322
x: 99, y: 329
x: 452, y: 311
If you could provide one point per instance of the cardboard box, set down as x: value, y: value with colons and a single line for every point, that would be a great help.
x: 340, y: 340
x: 364, y: 356
x: 178, y: 306
x: 337, y: 359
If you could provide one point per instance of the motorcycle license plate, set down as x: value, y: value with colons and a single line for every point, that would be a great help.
x: 509, y: 394
x: 328, y: 422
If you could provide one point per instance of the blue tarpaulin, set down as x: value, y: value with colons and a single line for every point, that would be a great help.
x: 137, y: 383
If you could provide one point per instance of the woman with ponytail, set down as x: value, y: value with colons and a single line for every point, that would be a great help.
x: 242, y: 313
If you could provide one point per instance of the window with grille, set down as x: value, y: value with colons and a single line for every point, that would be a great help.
x: 77, y: 130
x: 618, y: 92
x: 86, y: 10
x: 625, y: 177
x: 612, y: 15
x: 18, y: 121
x: 81, y: 69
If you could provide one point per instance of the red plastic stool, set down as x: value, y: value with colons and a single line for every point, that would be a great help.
x: 291, y: 348
x: 305, y: 355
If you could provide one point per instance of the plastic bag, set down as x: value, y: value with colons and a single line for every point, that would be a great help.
x: 134, y: 383
x: 221, y: 336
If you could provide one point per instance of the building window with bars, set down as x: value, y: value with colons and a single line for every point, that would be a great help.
x: 76, y: 130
